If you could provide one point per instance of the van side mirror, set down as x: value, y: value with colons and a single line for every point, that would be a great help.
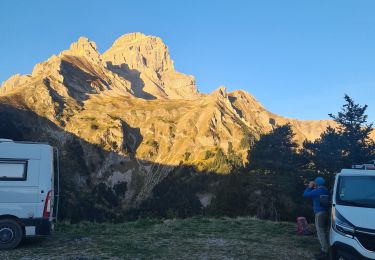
x: 325, y: 201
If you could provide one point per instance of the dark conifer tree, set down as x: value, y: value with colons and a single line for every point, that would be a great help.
x: 275, y: 151
x: 353, y: 127
x: 349, y: 144
x: 326, y: 153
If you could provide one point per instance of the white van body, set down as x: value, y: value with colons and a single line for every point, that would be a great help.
x: 26, y: 190
x: 352, y: 229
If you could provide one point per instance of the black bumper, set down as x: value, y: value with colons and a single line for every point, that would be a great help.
x: 42, y: 226
x: 348, y: 251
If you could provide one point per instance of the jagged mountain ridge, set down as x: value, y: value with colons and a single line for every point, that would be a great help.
x: 70, y: 86
x: 132, y: 103
x: 135, y: 66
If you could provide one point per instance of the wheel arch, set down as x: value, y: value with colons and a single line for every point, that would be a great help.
x: 16, y: 219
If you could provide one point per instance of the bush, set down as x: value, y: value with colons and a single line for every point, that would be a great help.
x: 172, y: 198
x: 274, y: 197
x: 94, y: 126
x: 101, y: 203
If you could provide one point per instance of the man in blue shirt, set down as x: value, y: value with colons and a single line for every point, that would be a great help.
x: 315, y: 190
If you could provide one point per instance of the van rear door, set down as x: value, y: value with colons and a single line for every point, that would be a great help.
x: 46, y: 180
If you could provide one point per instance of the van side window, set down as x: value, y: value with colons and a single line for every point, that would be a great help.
x: 13, y: 170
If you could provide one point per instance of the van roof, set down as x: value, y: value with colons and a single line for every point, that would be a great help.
x: 357, y: 172
x: 23, y: 150
x: 3, y: 140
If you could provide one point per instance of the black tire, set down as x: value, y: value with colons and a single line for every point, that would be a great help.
x: 11, y: 234
x: 341, y: 255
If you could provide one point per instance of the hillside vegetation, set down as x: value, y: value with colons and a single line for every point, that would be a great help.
x: 194, y: 238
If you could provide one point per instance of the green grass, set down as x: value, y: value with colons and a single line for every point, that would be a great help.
x: 194, y: 238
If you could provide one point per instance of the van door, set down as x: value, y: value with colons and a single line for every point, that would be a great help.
x: 46, y: 180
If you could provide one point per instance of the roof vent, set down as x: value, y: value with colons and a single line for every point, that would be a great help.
x: 367, y: 166
x: 5, y: 140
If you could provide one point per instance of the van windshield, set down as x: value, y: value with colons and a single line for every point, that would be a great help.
x: 357, y: 191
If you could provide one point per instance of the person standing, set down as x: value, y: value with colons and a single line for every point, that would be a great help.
x: 314, y: 190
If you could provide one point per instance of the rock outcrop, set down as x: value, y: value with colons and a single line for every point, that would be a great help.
x: 145, y: 61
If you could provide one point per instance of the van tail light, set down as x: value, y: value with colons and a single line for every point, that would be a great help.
x: 47, y: 205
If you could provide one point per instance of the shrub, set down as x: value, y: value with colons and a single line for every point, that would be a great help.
x: 94, y: 126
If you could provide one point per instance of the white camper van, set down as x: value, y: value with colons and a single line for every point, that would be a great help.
x: 352, y: 230
x: 26, y: 191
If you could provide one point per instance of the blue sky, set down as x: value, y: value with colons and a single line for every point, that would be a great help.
x: 298, y: 58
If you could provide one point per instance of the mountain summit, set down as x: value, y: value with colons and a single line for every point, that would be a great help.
x: 145, y: 61
x: 136, y: 65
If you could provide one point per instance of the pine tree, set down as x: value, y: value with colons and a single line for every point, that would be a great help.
x: 275, y: 151
x: 355, y: 132
x: 349, y: 144
x: 327, y: 152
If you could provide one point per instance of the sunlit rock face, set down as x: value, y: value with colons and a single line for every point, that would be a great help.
x: 145, y: 61
x: 13, y: 82
x: 131, y: 116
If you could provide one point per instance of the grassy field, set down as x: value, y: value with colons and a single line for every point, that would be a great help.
x: 195, y: 238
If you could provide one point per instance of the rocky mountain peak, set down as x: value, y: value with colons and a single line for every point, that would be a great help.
x: 129, y: 37
x: 136, y: 64
x: 145, y: 61
x: 85, y: 48
x: 220, y: 91
x: 13, y: 82
x: 140, y: 52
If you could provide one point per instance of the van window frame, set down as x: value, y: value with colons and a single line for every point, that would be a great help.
x: 15, y: 161
x: 339, y: 201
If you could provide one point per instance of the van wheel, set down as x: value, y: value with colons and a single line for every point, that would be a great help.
x: 341, y: 255
x: 10, y: 234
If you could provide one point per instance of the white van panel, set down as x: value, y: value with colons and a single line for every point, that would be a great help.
x: 21, y: 210
x: 19, y: 195
x: 19, y: 151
